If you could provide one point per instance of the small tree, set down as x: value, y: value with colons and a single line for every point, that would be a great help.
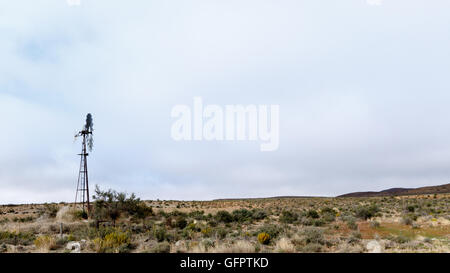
x: 143, y: 211
x: 111, y: 204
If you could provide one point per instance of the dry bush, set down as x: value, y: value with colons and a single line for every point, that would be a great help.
x: 45, y: 243
x: 240, y: 246
x: 284, y: 245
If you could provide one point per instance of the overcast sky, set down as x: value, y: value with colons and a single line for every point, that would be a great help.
x: 363, y: 89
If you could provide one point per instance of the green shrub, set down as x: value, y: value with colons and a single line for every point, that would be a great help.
x: 79, y: 214
x: 288, y: 217
x: 242, y: 215
x: 181, y: 222
x: 197, y: 215
x: 224, y: 216
x: 271, y: 229
x: 16, y: 238
x: 193, y: 227
x: 312, y: 214
x: 329, y: 217
x: 221, y: 233
x: 318, y: 222
x: 258, y: 214
x: 110, y: 205
x: 367, y: 212
x: 212, y: 223
x: 354, y: 237
x: 160, y: 234
x: 327, y: 210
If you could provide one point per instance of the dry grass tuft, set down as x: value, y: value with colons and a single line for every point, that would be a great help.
x: 45, y: 243
x: 284, y: 245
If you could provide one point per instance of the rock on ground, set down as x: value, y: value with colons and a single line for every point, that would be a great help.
x: 74, y: 246
x: 374, y: 247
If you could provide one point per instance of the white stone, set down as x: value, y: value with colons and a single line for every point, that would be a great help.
x: 374, y: 247
x: 74, y: 246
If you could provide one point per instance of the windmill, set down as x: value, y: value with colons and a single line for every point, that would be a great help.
x: 82, y: 193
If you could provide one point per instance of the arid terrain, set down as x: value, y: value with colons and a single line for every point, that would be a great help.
x: 413, y: 223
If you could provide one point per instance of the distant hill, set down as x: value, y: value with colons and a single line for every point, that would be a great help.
x: 262, y: 198
x: 401, y: 191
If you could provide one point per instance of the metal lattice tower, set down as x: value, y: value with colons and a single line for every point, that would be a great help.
x: 82, y: 193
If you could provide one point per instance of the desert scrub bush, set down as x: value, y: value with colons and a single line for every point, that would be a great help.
x: 221, y: 232
x: 79, y: 214
x: 367, y: 212
x: 207, y: 231
x: 49, y: 210
x: 264, y: 238
x: 288, y: 217
x: 329, y: 217
x: 224, y: 216
x: 92, y: 233
x: 45, y: 243
x: 305, y: 221
x: 177, y: 213
x: 400, y: 239
x: 181, y: 222
x: 116, y: 242
x: 23, y: 219
x: 327, y: 210
x: 163, y: 247
x: 176, y: 222
x: 141, y: 212
x: 411, y: 208
x: 240, y: 246
x: 258, y: 214
x: 109, y: 205
x: 271, y: 229
x: 312, y: 248
x: 351, y: 222
x: 312, y: 235
x: 242, y: 215
x: 197, y: 215
x: 194, y: 227
x: 160, y: 234
x: 355, y: 237
x: 374, y: 224
x: 407, y: 220
x: 207, y: 244
x: 312, y: 214
x: 60, y: 242
x: 318, y: 222
x: 16, y: 238
x: 187, y: 234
